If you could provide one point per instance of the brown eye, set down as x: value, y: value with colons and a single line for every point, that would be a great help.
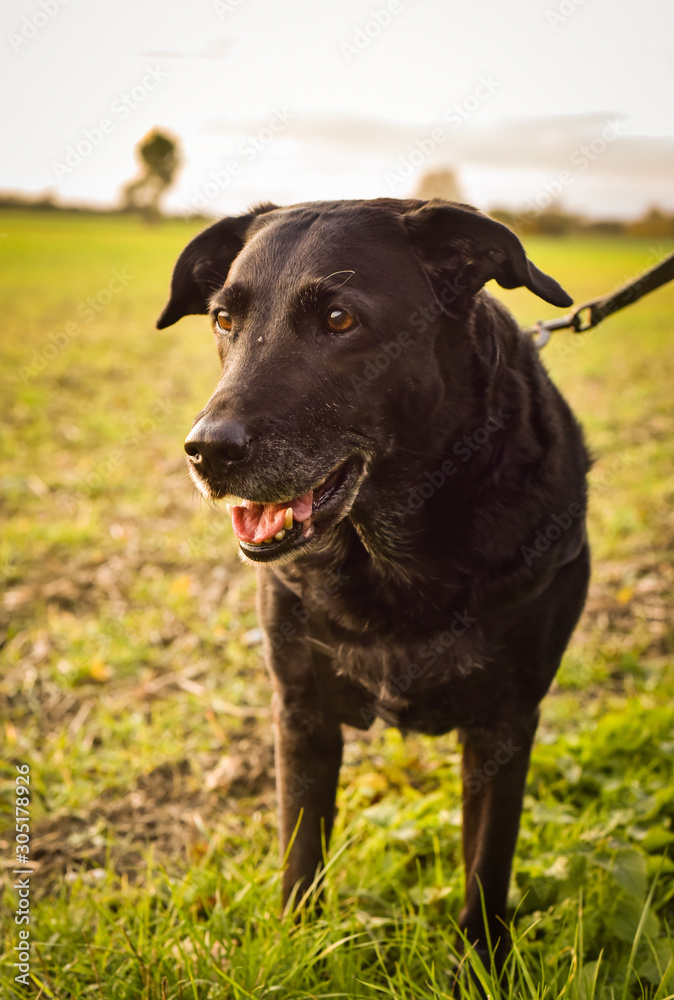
x: 339, y: 320
x: 223, y: 320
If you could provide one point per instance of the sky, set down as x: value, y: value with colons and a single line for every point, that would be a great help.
x: 534, y: 103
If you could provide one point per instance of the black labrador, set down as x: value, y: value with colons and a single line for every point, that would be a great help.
x: 412, y: 487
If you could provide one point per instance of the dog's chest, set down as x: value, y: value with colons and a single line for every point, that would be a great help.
x: 430, y: 684
x: 421, y: 663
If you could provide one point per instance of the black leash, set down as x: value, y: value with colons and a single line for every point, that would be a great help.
x: 599, y: 309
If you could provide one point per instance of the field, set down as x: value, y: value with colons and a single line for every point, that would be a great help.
x: 133, y: 688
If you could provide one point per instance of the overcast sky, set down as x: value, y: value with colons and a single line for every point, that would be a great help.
x: 288, y: 100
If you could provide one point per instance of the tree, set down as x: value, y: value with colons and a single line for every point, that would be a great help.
x: 159, y: 157
x: 440, y: 184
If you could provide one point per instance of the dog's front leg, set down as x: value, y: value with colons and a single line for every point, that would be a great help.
x: 495, y: 765
x: 308, y: 758
x: 308, y: 742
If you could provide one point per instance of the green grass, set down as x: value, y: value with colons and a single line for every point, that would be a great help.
x: 131, y: 665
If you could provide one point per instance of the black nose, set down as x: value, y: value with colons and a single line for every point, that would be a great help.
x: 211, y: 444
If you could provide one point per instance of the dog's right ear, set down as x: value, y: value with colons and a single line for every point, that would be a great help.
x: 204, y: 264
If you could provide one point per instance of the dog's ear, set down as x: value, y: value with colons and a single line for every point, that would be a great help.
x: 204, y: 264
x: 476, y: 248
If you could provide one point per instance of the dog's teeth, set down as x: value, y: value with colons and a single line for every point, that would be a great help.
x: 280, y: 535
x: 228, y: 508
x: 288, y: 521
x: 266, y: 541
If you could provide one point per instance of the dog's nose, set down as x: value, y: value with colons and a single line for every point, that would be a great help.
x: 213, y: 443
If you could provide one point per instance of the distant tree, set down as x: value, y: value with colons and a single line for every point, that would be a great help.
x: 440, y: 184
x: 159, y: 157
x: 553, y: 222
x: 654, y: 223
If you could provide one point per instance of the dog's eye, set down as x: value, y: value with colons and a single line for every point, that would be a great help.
x: 339, y: 320
x: 223, y: 320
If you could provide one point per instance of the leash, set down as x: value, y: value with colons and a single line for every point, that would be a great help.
x: 599, y: 309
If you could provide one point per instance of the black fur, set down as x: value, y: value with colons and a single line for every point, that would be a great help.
x: 441, y: 587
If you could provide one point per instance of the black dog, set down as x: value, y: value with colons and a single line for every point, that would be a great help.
x: 397, y: 459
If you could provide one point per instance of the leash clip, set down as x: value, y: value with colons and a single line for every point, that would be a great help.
x: 541, y: 334
x: 543, y: 328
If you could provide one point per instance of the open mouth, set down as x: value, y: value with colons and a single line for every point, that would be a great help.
x: 267, y: 531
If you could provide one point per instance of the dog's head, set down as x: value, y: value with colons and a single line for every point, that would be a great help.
x: 331, y: 321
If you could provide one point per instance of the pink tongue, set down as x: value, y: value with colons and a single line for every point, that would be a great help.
x: 253, y: 522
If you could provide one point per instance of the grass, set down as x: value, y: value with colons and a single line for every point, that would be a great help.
x: 132, y: 681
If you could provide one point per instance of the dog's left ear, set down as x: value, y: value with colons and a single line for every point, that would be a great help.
x: 204, y: 264
x: 476, y: 249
